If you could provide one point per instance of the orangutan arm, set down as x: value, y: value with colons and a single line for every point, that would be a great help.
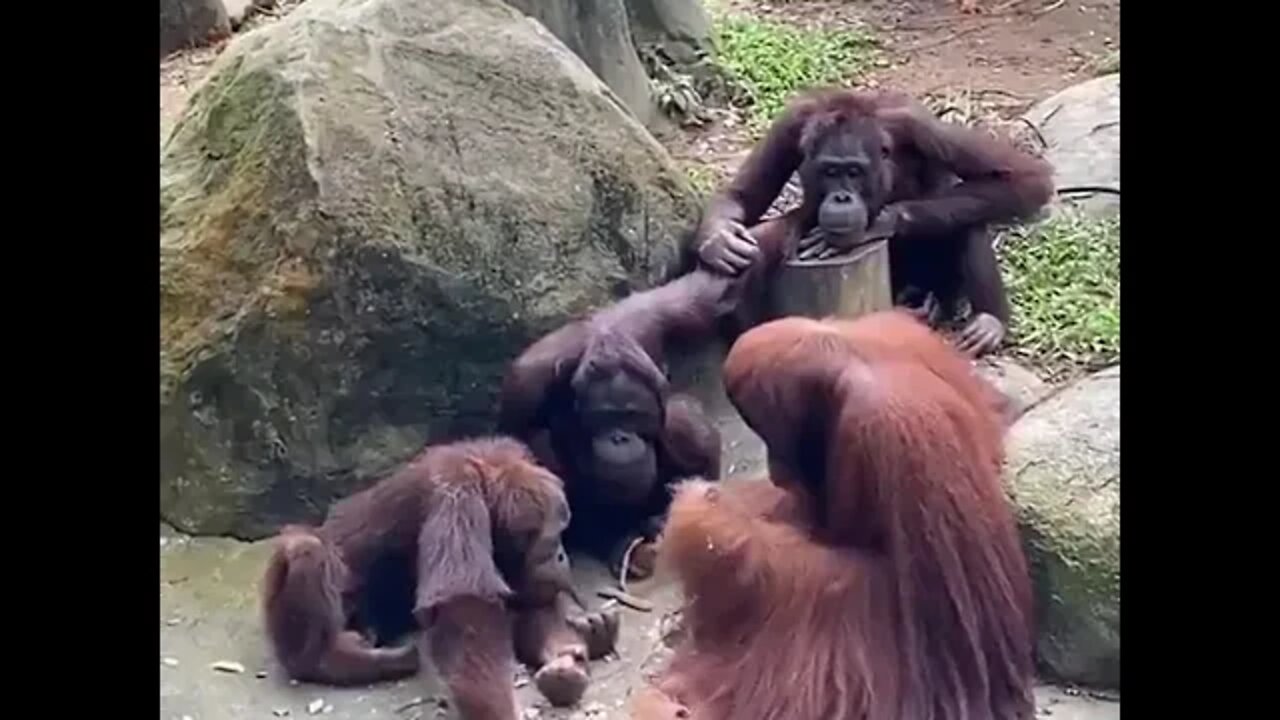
x: 998, y: 181
x: 762, y: 175
x: 744, y: 533
x: 532, y: 375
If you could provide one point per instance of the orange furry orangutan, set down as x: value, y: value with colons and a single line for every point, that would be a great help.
x: 879, y: 576
x: 462, y: 542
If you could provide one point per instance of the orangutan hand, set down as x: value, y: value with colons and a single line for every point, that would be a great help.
x: 729, y: 248
x: 984, y: 333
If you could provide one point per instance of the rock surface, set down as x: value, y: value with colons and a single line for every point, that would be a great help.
x: 184, y: 23
x: 681, y: 27
x: 1064, y: 474
x: 1081, y: 129
x: 239, y: 10
x: 367, y: 210
x: 598, y: 32
x: 1021, y: 385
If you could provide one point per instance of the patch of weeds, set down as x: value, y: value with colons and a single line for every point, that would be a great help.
x: 1063, y: 277
x: 773, y: 61
x: 1104, y: 64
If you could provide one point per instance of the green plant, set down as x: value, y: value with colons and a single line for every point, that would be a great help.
x: 772, y: 61
x: 1063, y: 276
x: 1105, y: 64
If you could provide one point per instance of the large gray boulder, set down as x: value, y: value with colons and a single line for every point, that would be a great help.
x: 599, y: 33
x: 369, y: 209
x: 1063, y: 471
x: 184, y: 23
x: 1081, y: 130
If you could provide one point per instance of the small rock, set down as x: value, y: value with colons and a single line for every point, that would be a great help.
x: 238, y: 10
x: 521, y: 682
x: 261, y: 674
x: 1021, y: 387
x: 171, y: 622
x: 532, y: 713
x: 595, y: 708
x: 169, y: 662
x: 187, y: 717
x: 315, y: 706
x: 281, y: 712
x: 327, y: 709
x: 228, y: 666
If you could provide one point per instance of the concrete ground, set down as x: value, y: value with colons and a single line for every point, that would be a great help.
x: 209, y: 616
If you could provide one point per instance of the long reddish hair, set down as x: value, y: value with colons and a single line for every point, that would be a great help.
x: 881, y: 575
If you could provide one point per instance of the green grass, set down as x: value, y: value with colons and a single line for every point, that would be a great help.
x: 773, y: 61
x: 1063, y: 276
x: 1105, y: 64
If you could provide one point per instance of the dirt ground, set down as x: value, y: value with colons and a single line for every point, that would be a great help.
x: 1024, y: 49
x: 1012, y: 54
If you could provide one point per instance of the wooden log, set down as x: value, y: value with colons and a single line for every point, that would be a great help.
x: 847, y: 286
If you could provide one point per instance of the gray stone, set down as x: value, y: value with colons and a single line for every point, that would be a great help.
x: 1081, y: 129
x: 1063, y: 471
x: 185, y: 23
x: 1020, y: 385
x: 598, y: 32
x: 681, y: 27
x: 239, y: 10
x: 367, y: 210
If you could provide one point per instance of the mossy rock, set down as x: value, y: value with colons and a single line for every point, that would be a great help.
x: 1064, y: 474
x: 369, y: 209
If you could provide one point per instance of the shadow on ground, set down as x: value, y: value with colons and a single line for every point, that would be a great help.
x: 209, y: 615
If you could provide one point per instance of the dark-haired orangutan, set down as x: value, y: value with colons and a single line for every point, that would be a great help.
x: 879, y: 165
x: 879, y: 576
x: 593, y: 401
x: 464, y: 542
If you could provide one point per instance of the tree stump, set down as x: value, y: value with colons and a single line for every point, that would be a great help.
x: 847, y: 286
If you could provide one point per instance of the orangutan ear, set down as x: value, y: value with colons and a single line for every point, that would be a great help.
x: 455, y: 553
